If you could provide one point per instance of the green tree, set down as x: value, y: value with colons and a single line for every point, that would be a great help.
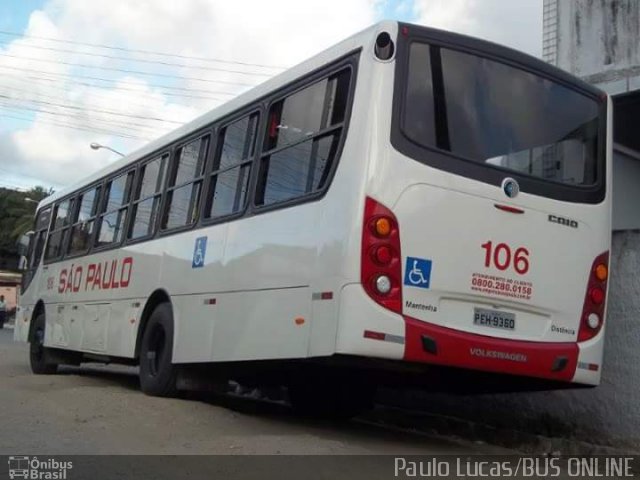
x: 17, y: 215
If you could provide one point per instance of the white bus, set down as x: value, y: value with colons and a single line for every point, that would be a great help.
x: 408, y: 201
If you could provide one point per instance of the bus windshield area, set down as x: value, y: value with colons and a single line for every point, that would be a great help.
x: 492, y: 113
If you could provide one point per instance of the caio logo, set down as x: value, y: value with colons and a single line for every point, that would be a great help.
x: 567, y: 222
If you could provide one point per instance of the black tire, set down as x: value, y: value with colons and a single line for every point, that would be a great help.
x: 331, y: 395
x: 158, y: 375
x: 38, y: 353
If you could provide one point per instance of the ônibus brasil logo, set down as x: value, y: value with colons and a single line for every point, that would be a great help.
x: 32, y: 468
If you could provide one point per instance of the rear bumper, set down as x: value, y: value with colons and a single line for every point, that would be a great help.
x: 428, y: 343
x: 400, y: 337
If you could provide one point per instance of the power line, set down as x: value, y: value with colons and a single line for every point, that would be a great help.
x: 76, y: 127
x: 96, y: 110
x: 62, y: 98
x: 40, y: 96
x: 108, y: 126
x: 151, y: 52
x: 77, y: 75
x: 144, y: 60
x: 129, y: 127
x: 126, y: 70
x: 117, y: 87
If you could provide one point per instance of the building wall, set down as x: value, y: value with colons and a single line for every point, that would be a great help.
x: 10, y: 293
x: 626, y: 191
x: 599, y: 41
x: 596, y: 40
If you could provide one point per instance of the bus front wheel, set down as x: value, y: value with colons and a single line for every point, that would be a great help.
x: 38, y: 353
x: 158, y: 375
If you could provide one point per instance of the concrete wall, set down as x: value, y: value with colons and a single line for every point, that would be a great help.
x: 606, y: 415
x: 598, y: 40
x: 626, y: 190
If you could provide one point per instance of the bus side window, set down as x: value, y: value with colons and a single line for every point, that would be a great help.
x: 36, y: 246
x: 185, y: 182
x: 59, y: 229
x: 147, y: 198
x: 39, y: 238
x: 84, y: 219
x: 232, y: 168
x: 114, y: 210
x: 303, y: 133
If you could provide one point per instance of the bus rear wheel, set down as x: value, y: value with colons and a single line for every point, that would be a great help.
x: 331, y: 395
x: 158, y: 374
x: 38, y: 353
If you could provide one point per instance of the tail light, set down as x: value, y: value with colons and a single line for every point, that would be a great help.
x: 381, y: 268
x: 595, y: 298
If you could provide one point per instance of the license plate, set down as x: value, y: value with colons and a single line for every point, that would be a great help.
x: 494, y: 319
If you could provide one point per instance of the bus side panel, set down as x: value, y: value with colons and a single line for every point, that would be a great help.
x: 364, y: 149
x: 94, y: 303
x: 193, y: 273
x: 123, y: 326
x: 195, y: 318
x: 57, y: 331
x: 23, y: 322
x: 26, y: 305
x: 268, y: 256
x: 338, y: 258
x: 97, y: 320
x: 360, y: 314
x: 263, y: 325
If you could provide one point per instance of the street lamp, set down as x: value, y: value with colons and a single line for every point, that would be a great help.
x: 97, y: 146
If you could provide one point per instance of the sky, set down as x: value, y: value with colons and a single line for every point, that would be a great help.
x: 122, y: 73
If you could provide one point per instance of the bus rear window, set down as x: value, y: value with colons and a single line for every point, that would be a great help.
x: 492, y: 113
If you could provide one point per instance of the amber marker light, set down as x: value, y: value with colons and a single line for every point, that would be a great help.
x: 601, y: 272
x: 382, y: 227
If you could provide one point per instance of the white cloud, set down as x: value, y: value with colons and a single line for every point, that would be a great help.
x: 280, y: 32
x: 271, y: 33
x: 515, y: 23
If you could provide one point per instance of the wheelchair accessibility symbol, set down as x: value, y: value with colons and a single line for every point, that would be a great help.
x: 199, y: 252
x: 417, y: 272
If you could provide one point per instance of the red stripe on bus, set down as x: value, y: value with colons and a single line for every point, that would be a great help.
x: 430, y: 343
x: 507, y: 208
x: 373, y: 335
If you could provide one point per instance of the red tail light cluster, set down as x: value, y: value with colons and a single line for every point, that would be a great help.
x: 381, y: 267
x: 595, y: 298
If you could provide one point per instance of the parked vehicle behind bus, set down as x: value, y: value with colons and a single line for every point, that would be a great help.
x: 409, y: 204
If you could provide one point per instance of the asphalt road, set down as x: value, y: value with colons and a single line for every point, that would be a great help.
x: 99, y: 410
